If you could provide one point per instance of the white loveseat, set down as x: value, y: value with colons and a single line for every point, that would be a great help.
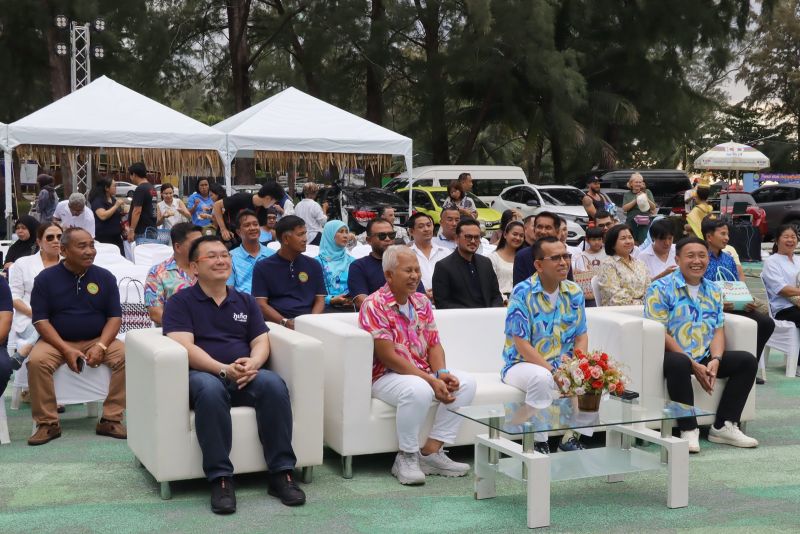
x: 161, y: 430
x: 356, y: 423
x: 647, y: 375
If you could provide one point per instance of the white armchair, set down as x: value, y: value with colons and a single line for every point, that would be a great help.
x: 161, y: 430
x: 356, y: 423
x: 648, y: 379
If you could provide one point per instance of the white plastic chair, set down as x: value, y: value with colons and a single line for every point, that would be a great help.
x: 150, y: 254
x: 596, y: 291
x: 785, y: 338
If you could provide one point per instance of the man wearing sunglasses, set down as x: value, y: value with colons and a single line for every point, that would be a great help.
x: 366, y: 274
x: 76, y: 310
x: 546, y: 319
x: 465, y: 279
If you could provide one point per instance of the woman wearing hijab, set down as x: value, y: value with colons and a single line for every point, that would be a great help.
x: 25, y: 245
x: 335, y: 263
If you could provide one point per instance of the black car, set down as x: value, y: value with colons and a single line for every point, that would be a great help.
x: 663, y: 183
x: 361, y: 204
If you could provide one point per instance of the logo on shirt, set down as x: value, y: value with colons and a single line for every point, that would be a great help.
x: 92, y: 288
x: 240, y: 317
x: 303, y: 276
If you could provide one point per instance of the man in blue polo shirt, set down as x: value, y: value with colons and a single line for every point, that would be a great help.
x: 227, y: 342
x: 366, y: 276
x: 289, y: 284
x: 248, y: 253
x: 77, y: 313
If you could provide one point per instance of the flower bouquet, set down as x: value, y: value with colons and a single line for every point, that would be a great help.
x: 587, y: 376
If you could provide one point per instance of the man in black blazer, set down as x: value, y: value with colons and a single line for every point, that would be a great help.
x: 465, y: 279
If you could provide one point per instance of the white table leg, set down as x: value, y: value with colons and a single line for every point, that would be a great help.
x: 678, y: 474
x: 485, y: 475
x: 615, y: 440
x: 666, y: 432
x: 538, y: 490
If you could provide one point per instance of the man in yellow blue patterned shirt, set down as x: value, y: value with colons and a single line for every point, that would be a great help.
x: 546, y: 318
x: 690, y: 308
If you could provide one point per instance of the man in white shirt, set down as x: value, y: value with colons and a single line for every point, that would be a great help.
x: 426, y: 248
x: 311, y: 212
x: 74, y: 213
x: 448, y: 221
x: 659, y: 256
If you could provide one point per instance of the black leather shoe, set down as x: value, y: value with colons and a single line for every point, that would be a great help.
x: 283, y: 486
x: 541, y: 447
x: 223, y: 496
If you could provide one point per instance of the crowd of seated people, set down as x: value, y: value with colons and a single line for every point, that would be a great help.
x: 72, y: 317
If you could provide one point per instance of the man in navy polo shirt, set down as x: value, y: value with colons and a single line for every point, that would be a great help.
x: 366, y: 276
x: 226, y: 338
x: 289, y: 284
x: 77, y: 313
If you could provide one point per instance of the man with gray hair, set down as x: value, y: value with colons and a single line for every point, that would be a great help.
x: 409, y: 370
x: 74, y: 213
x: 312, y: 213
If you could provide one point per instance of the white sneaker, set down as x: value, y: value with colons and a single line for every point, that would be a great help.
x: 406, y: 469
x: 438, y: 463
x: 730, y: 434
x: 693, y: 437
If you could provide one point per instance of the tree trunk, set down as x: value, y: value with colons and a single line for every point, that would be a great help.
x: 434, y: 82
x: 59, y: 87
x: 375, y: 62
x: 238, y: 15
x: 477, y: 126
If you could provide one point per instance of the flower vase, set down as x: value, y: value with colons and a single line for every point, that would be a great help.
x: 589, y: 402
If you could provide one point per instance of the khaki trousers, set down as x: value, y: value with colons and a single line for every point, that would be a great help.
x: 43, y: 361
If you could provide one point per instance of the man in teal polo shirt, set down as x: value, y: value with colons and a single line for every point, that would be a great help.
x: 248, y: 253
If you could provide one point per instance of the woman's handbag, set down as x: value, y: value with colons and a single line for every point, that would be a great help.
x: 642, y: 220
x: 584, y: 279
x: 733, y: 291
x: 134, y: 311
x: 796, y: 300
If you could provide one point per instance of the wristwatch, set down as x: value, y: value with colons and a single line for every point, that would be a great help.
x: 223, y: 374
x: 718, y: 358
x: 441, y: 372
x: 284, y: 321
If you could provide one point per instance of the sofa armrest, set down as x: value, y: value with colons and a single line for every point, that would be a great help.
x: 740, y: 333
x: 297, y: 358
x: 620, y: 336
x: 157, y: 391
x: 347, y: 352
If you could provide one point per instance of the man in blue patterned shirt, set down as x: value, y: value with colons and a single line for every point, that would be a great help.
x: 715, y: 232
x: 690, y: 308
x: 546, y: 318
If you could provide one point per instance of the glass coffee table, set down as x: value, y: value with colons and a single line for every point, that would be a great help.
x: 623, y: 422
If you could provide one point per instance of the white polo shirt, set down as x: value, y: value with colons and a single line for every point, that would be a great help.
x: 85, y: 220
x: 654, y: 264
x: 426, y: 264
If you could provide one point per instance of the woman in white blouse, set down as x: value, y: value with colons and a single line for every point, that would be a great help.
x: 20, y: 278
x: 780, y: 275
x: 503, y: 256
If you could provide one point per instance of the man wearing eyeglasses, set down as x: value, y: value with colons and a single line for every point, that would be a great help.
x: 289, y: 284
x: 546, y: 319
x: 465, y: 279
x: 226, y: 339
x: 366, y: 274
x: 76, y: 311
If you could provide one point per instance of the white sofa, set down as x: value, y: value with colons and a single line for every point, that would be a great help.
x: 161, y: 430
x: 647, y: 373
x: 356, y: 423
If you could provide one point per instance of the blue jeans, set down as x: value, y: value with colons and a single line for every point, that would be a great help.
x: 211, y: 399
x: 5, y: 370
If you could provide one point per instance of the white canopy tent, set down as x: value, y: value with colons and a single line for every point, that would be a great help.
x: 300, y: 125
x: 106, y: 116
x: 732, y: 157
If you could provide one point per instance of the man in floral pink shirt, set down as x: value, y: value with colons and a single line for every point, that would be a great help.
x: 409, y: 370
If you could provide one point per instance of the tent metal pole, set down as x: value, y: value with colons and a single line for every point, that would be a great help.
x: 9, y: 180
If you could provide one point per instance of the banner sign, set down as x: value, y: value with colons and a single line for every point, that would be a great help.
x: 781, y: 178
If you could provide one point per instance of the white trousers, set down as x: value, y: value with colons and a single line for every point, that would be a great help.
x: 412, y: 396
x: 540, y: 390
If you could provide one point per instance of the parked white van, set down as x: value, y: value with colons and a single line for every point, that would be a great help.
x: 487, y: 180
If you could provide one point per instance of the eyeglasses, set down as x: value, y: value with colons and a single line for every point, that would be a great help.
x: 385, y: 235
x: 472, y: 237
x: 605, y: 225
x: 50, y: 237
x: 559, y: 257
x: 214, y: 257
